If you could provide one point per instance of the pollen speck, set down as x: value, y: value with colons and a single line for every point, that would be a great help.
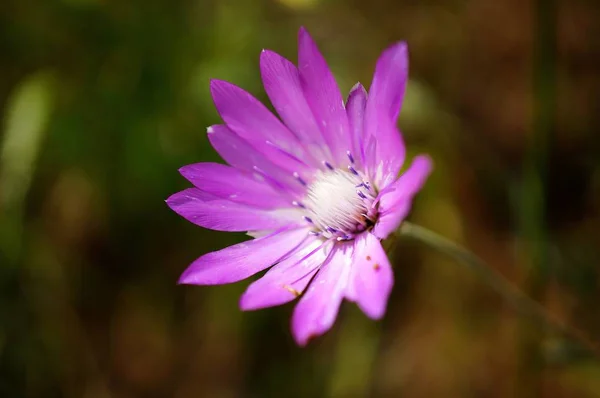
x: 368, y: 258
x: 376, y: 267
x: 291, y: 290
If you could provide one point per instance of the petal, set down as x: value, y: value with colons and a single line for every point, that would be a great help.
x: 288, y: 279
x: 230, y: 183
x: 318, y: 307
x: 389, y: 81
x: 240, y: 154
x: 323, y: 97
x: 371, y: 279
x: 240, y: 261
x: 383, y: 107
x: 395, y: 201
x: 252, y: 121
x: 282, y: 83
x: 355, y: 108
x: 387, y: 153
x: 211, y: 212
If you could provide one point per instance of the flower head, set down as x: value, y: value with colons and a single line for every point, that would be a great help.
x: 318, y: 190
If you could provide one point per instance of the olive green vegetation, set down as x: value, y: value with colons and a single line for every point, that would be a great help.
x: 102, y: 102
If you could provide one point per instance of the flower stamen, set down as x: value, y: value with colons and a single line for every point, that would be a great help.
x: 298, y: 204
x: 328, y: 165
x: 350, y: 157
x: 300, y: 180
x: 336, y: 209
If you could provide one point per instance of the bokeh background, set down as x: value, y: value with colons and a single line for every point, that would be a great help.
x: 102, y: 101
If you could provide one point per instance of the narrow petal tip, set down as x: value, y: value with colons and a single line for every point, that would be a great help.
x: 399, y: 46
x: 188, y: 277
x: 218, y: 86
x: 357, y: 87
x: 183, y: 170
x: 214, y: 84
x: 214, y: 81
x: 374, y: 314
x: 171, y: 200
x: 425, y: 163
x: 304, y: 38
x: 265, y: 56
x: 184, y: 280
x: 396, y: 53
x: 303, y: 340
x: 302, y: 31
x: 253, y: 302
x: 244, y: 305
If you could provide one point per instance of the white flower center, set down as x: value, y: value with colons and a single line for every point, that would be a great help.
x: 339, y: 204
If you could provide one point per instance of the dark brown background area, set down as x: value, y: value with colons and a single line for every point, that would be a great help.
x: 103, y: 100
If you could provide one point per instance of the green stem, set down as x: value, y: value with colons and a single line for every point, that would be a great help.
x: 520, y: 301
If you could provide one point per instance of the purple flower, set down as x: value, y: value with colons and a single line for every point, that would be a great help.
x: 317, y: 190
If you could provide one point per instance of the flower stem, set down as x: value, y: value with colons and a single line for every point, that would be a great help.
x: 520, y: 301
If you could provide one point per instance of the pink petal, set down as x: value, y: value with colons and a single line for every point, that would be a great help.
x: 383, y: 107
x: 323, y: 97
x: 318, y: 307
x: 395, y: 200
x: 230, y: 183
x: 371, y: 279
x: 240, y: 154
x: 240, y: 261
x: 282, y: 83
x: 389, y: 81
x: 384, y: 162
x: 211, y: 212
x: 253, y: 122
x: 288, y: 279
x: 355, y: 108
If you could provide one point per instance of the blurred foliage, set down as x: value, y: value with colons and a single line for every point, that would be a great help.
x: 102, y: 101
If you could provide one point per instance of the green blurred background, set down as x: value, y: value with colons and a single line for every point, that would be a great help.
x: 102, y: 101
